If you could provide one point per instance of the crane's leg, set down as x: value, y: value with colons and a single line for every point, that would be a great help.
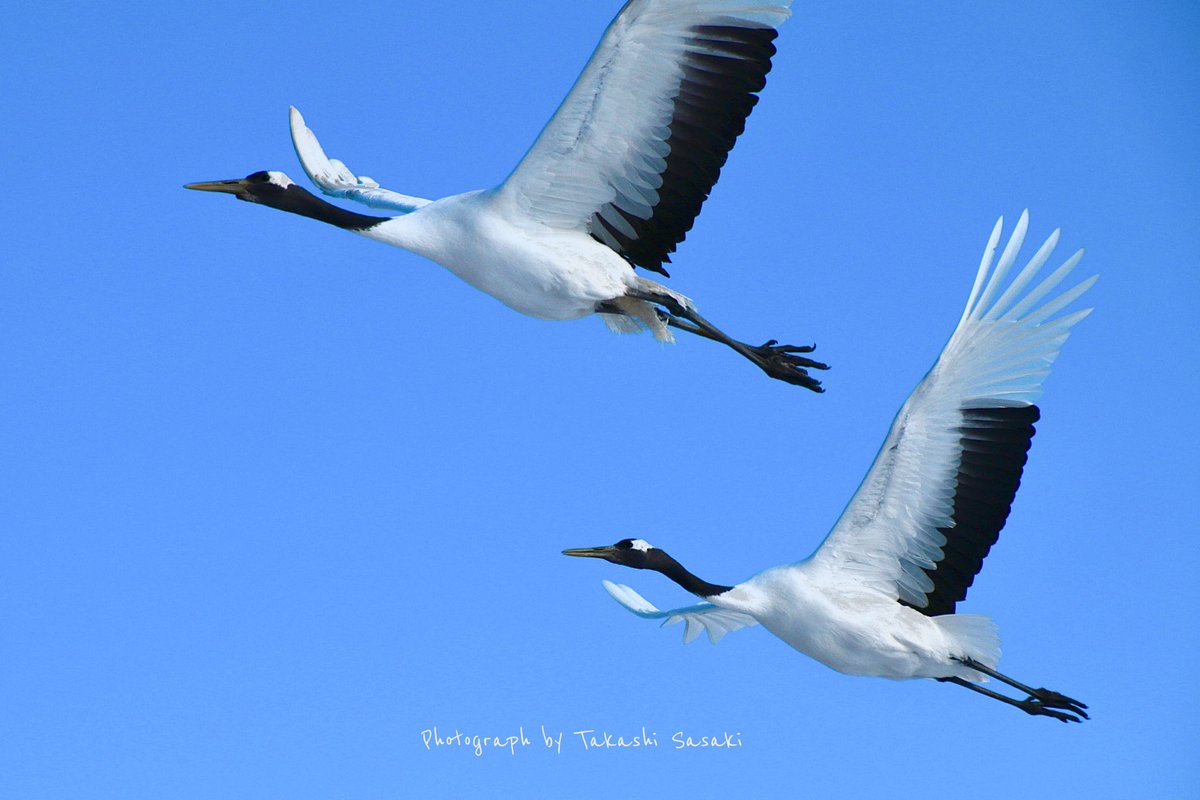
x: 1046, y: 697
x: 780, y: 361
x: 1039, y: 701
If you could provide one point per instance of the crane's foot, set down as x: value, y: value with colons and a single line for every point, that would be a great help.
x: 1038, y: 702
x: 783, y: 362
x: 1050, y: 699
x: 1038, y: 708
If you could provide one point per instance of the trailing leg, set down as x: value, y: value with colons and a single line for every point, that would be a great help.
x: 1046, y: 697
x: 782, y: 362
x: 1040, y: 702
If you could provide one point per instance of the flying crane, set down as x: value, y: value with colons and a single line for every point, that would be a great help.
x: 614, y: 181
x: 878, y: 596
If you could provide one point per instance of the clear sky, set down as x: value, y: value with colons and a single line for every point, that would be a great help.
x: 275, y: 499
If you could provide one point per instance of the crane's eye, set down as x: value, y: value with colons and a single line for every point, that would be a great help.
x: 259, y: 177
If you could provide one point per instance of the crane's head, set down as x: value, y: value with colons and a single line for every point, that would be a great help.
x: 276, y: 190
x: 636, y: 553
x: 640, y: 554
x: 268, y: 188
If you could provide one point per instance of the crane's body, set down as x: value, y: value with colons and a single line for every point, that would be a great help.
x: 858, y: 631
x: 878, y: 597
x: 550, y: 273
x: 613, y: 182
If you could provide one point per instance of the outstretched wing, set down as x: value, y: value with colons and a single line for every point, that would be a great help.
x: 334, y: 179
x: 633, y: 151
x: 697, y: 618
x: 934, y: 501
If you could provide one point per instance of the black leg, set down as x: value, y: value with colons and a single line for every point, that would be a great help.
x: 1045, y: 696
x: 1029, y: 705
x: 1039, y: 701
x: 782, y: 362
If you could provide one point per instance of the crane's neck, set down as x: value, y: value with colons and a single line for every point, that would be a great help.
x: 676, y: 572
x: 296, y: 200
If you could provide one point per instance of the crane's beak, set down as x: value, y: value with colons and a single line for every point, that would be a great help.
x: 591, y: 552
x: 229, y: 187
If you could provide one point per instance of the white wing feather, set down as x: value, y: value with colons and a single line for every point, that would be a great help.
x: 608, y: 139
x: 334, y: 179
x: 696, y: 619
x: 997, y: 357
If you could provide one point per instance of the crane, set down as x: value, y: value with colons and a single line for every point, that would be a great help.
x: 613, y: 182
x: 878, y: 596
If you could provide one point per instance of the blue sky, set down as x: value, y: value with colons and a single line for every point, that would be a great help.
x: 277, y: 499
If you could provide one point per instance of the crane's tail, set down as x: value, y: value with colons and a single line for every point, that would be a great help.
x: 335, y: 179
x: 636, y: 316
x: 972, y: 636
x: 697, y: 619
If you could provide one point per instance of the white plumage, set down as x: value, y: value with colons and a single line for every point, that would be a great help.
x: 877, y: 597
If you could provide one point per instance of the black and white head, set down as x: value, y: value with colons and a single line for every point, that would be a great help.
x: 636, y: 553
x: 640, y: 554
x: 269, y: 188
x: 274, y: 189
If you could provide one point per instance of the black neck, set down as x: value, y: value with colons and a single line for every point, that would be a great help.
x: 300, y: 201
x: 675, y: 571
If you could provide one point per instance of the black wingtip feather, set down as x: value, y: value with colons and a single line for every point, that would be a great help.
x: 995, y: 443
x: 717, y: 94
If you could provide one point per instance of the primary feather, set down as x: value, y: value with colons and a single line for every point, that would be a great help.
x: 935, y: 499
x: 637, y: 145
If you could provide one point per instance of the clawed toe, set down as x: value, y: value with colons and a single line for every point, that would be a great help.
x: 773, y: 344
x: 1057, y: 700
x: 1045, y: 702
x: 771, y: 350
x: 783, y: 363
x: 1038, y: 702
x: 1050, y: 699
x: 1032, y: 706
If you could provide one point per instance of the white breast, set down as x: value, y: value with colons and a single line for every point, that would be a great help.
x: 534, y: 269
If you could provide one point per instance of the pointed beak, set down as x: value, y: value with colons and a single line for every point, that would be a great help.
x: 229, y: 187
x: 590, y: 552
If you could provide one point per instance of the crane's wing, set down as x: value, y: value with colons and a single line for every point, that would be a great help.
x: 697, y: 618
x: 934, y: 501
x: 334, y: 179
x: 633, y: 151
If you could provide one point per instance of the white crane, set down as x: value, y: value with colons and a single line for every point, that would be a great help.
x: 878, y: 596
x: 614, y: 181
